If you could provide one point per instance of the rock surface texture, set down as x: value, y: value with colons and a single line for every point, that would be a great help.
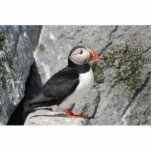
x: 47, y: 117
x: 121, y: 94
x: 17, y: 44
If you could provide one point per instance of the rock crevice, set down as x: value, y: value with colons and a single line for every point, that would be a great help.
x: 16, y: 58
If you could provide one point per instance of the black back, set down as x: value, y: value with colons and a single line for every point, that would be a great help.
x: 57, y: 88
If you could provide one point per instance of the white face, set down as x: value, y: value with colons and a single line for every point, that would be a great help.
x: 79, y: 56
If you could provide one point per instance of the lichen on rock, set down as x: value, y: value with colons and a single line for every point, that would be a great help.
x: 127, y: 64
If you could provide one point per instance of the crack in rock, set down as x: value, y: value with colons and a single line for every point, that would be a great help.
x: 136, y: 94
x: 113, y: 31
x: 147, y: 112
x: 105, y: 48
x: 97, y: 104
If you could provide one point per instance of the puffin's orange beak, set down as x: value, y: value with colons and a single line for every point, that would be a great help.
x: 94, y: 57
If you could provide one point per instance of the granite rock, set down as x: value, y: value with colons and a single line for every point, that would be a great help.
x: 17, y: 44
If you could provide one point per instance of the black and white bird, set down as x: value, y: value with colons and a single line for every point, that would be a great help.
x: 70, y: 84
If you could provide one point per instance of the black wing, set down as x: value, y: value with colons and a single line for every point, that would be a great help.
x: 57, y: 88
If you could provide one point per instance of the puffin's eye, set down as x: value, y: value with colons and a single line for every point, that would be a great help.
x: 81, y: 52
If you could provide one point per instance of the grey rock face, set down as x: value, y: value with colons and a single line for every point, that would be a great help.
x: 124, y: 78
x: 46, y: 117
x: 121, y: 92
x: 17, y: 44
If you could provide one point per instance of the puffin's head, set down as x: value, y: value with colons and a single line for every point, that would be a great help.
x: 81, y: 55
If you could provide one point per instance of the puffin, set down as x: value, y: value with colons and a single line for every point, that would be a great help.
x: 69, y: 85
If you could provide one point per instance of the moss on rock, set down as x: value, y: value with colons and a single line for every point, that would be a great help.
x: 98, y: 72
x: 127, y: 63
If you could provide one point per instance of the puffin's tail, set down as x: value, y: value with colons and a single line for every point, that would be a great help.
x: 25, y: 107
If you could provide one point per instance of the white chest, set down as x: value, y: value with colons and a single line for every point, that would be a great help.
x: 85, y: 82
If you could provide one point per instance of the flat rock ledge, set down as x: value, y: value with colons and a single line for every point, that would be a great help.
x: 47, y: 117
x: 1, y: 124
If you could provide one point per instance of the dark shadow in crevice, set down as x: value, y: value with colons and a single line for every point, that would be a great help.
x: 32, y: 87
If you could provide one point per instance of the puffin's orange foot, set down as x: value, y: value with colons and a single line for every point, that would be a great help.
x: 72, y: 115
